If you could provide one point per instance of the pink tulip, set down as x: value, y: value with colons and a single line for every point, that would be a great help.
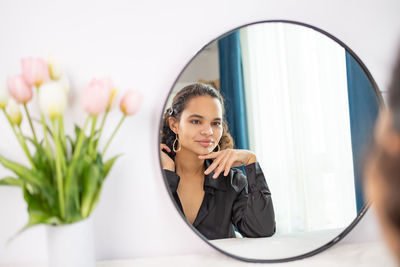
x: 96, y: 96
x: 19, y: 90
x: 35, y: 71
x: 130, y: 102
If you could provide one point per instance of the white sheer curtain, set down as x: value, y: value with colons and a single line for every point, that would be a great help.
x: 299, y: 127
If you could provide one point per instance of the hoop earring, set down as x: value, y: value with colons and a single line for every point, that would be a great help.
x: 219, y: 148
x: 173, y: 145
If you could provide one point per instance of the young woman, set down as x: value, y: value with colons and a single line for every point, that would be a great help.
x: 197, y: 156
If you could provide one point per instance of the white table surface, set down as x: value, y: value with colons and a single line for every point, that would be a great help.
x: 357, y: 254
x: 278, y: 246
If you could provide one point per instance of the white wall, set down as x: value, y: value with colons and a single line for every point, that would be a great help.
x: 144, y: 45
x: 204, y: 66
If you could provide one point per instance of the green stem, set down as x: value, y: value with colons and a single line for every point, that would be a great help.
x: 63, y: 142
x: 113, y: 134
x: 80, y: 140
x: 62, y: 132
x: 71, y: 169
x: 20, y: 140
x: 60, y: 183
x: 91, y: 135
x: 101, y: 130
x: 30, y: 123
x: 46, y: 139
x: 24, y: 146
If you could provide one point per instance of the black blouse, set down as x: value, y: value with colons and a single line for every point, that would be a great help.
x: 233, y: 200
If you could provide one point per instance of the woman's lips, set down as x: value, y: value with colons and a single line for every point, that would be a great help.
x: 205, y: 143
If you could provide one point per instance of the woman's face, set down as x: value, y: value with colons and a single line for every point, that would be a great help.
x: 200, y: 126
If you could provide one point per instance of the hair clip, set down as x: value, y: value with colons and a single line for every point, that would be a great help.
x: 171, y: 111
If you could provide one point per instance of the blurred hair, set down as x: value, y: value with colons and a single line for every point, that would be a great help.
x: 388, y: 164
x: 394, y: 95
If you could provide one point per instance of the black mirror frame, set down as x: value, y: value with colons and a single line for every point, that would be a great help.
x: 364, y: 208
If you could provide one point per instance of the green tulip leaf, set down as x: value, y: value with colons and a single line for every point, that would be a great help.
x: 77, y: 131
x: 28, y: 175
x: 109, y: 163
x: 35, y: 201
x: 71, y: 142
x: 12, y: 181
x: 73, y: 181
x: 91, y: 181
x: 95, y: 198
x: 42, y: 160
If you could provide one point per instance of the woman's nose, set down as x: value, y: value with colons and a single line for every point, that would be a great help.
x: 207, y: 130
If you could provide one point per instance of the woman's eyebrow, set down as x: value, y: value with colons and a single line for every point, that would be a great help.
x: 196, y: 116
x: 201, y: 117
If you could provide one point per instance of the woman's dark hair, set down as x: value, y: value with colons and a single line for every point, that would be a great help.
x: 179, y: 104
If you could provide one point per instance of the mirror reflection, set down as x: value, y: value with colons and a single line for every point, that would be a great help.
x: 213, y: 196
x: 261, y: 140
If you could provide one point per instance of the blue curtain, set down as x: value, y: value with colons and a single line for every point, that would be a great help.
x: 363, y: 108
x: 232, y: 88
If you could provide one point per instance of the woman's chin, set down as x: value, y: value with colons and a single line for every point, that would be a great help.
x: 204, y: 151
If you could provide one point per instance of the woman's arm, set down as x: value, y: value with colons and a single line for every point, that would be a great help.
x: 166, y: 162
x: 225, y: 159
x: 253, y: 211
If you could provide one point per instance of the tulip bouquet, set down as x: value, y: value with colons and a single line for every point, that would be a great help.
x: 64, y: 178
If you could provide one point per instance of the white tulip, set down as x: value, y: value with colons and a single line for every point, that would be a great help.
x: 14, y: 112
x: 4, y: 96
x: 54, y: 68
x: 52, y: 99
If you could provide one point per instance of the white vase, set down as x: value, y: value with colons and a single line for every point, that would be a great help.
x: 71, y: 245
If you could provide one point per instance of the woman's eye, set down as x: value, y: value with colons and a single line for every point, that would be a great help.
x: 216, y: 123
x: 195, y: 122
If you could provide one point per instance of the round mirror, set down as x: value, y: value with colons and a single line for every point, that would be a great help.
x: 262, y: 138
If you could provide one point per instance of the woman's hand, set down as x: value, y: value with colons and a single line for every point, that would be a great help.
x: 166, y: 162
x: 225, y: 159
